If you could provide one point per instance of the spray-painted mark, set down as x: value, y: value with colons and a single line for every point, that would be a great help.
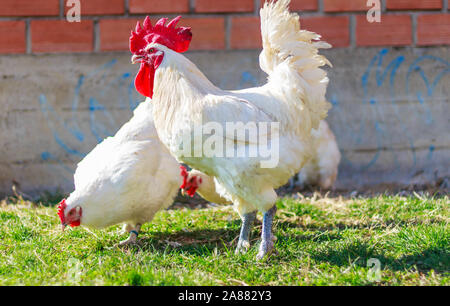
x: 380, y: 76
x: 373, y: 121
x: 70, y: 135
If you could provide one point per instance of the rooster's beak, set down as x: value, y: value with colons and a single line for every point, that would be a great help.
x: 136, y: 59
x: 183, y: 193
x: 63, y: 227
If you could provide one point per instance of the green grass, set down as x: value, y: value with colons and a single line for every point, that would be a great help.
x: 321, y: 241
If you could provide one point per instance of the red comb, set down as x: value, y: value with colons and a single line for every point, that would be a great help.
x: 177, y: 39
x: 61, y: 208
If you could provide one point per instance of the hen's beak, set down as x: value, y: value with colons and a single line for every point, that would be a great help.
x: 63, y: 227
x: 136, y: 59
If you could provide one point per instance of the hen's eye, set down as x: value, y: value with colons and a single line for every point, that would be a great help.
x: 151, y: 50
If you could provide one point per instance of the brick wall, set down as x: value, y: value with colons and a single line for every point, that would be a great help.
x: 39, y: 26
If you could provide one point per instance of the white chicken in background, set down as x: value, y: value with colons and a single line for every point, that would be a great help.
x: 184, y: 100
x: 196, y: 181
x: 322, y: 169
x: 127, y: 179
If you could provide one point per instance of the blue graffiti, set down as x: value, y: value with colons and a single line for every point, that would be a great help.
x: 248, y: 80
x: 380, y: 75
x: 387, y: 74
x: 68, y: 134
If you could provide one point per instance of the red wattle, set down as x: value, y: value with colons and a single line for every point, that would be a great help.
x: 144, y: 80
x: 75, y: 223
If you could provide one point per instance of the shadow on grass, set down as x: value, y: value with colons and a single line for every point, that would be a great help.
x: 359, y: 253
x: 283, y: 224
x: 195, y: 242
x: 203, y: 242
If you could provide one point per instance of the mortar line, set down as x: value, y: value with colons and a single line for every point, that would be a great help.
x: 320, y: 7
x: 414, y: 29
x: 28, y: 36
x: 352, y: 29
x: 61, y: 8
x: 228, y: 32
x: 127, y: 8
x: 96, y: 37
x: 256, y: 4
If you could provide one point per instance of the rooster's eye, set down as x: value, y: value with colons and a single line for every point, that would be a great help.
x: 151, y: 50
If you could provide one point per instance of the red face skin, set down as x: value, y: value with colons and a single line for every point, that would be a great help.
x: 150, y: 60
x: 72, y: 218
x: 190, y: 183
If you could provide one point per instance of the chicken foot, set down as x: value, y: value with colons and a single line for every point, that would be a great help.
x: 247, y: 222
x: 267, y: 242
x: 134, y: 232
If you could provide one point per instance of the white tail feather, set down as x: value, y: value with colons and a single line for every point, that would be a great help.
x: 287, y: 47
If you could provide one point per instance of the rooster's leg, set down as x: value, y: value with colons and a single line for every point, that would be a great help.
x: 134, y: 232
x: 266, y: 246
x: 243, y: 243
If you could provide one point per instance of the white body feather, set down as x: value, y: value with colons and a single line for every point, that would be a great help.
x: 322, y: 169
x: 126, y: 178
x: 294, y: 96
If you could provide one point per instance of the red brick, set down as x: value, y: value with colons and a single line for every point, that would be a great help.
x: 208, y: 33
x: 52, y: 36
x: 115, y: 33
x: 100, y: 7
x: 334, y: 30
x: 393, y: 30
x: 301, y: 5
x: 245, y: 33
x: 12, y: 37
x: 216, y: 6
x: 29, y: 7
x: 345, y: 5
x: 433, y: 30
x: 158, y: 6
x: 304, y: 5
x: 413, y: 4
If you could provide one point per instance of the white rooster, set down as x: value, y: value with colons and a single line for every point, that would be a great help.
x: 127, y: 179
x: 184, y: 100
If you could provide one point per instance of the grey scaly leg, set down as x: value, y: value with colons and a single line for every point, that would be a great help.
x: 266, y: 246
x: 243, y: 243
x: 133, y: 236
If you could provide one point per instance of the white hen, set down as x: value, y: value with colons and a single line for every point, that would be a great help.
x: 127, y: 178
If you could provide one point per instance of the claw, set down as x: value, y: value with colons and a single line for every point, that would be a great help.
x: 242, y: 247
x: 127, y: 242
x: 265, y: 249
x: 243, y: 243
x: 132, y: 238
x: 267, y: 243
